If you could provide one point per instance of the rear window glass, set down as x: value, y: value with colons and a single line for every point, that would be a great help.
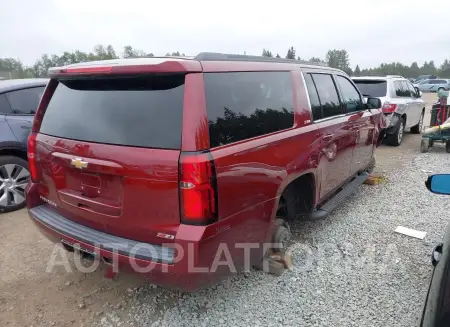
x: 134, y: 111
x: 243, y: 105
x: 372, y: 88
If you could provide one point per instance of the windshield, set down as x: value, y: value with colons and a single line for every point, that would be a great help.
x: 372, y: 88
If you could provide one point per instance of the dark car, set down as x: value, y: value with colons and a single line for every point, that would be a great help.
x: 171, y: 161
x: 19, y: 99
x: 436, y: 311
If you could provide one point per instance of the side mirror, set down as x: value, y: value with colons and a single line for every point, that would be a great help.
x: 373, y: 103
x: 418, y: 92
x: 439, y: 184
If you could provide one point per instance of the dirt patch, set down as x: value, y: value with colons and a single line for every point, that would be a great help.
x: 30, y: 296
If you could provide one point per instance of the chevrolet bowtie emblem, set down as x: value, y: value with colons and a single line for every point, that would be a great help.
x: 79, y: 163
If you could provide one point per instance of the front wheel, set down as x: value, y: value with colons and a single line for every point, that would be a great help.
x: 418, y: 128
x: 447, y: 147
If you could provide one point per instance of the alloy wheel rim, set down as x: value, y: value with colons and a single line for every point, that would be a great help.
x: 13, y: 180
x: 421, y: 122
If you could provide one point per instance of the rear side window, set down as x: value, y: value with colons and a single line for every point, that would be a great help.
x: 25, y: 101
x: 143, y: 111
x: 372, y: 88
x: 313, y: 98
x: 243, y: 105
x: 328, y: 95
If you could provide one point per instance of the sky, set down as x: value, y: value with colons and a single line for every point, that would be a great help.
x: 372, y: 31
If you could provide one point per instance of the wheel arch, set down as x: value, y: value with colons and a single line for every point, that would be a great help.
x: 15, y: 149
x: 293, y: 186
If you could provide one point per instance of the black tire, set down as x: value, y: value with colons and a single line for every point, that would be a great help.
x: 418, y: 128
x: 447, y: 147
x: 396, y: 138
x: 10, y: 160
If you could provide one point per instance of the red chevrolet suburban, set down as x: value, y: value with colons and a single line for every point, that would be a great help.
x: 175, y: 163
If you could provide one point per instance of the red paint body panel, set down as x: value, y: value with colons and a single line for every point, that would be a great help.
x: 125, y: 191
x: 134, y: 193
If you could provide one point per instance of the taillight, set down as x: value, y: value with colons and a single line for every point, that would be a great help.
x: 198, y: 189
x: 31, y: 153
x: 389, y: 107
x: 31, y: 144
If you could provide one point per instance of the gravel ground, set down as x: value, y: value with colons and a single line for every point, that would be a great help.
x: 350, y: 270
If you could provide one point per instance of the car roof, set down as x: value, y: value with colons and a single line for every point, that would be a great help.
x: 205, y: 61
x: 17, y: 84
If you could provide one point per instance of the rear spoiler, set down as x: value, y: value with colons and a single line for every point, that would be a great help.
x: 128, y: 66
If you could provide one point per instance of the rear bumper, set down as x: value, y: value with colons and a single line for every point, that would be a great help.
x: 162, y: 265
x: 45, y: 216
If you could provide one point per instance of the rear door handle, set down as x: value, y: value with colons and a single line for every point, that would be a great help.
x: 327, y: 137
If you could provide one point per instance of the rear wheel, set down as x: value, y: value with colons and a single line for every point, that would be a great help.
x: 447, y: 147
x: 14, y: 177
x: 418, y: 128
x: 440, y: 89
x: 396, y: 138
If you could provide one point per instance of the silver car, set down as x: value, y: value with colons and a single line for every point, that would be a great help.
x: 402, y: 104
x: 433, y: 85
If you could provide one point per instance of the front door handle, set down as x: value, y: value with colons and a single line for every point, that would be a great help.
x: 327, y: 137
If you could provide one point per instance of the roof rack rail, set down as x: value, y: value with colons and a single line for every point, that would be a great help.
x: 394, y: 76
x: 216, y: 56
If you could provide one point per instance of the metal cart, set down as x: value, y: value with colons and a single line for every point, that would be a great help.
x: 436, y: 132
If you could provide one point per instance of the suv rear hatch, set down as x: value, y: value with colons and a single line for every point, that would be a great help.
x: 107, y: 153
x: 376, y: 88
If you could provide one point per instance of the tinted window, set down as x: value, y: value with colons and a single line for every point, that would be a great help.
x: 4, y: 105
x: 411, y: 89
x: 134, y: 111
x: 25, y: 102
x: 313, y: 98
x: 401, y: 90
x: 372, y: 88
x: 244, y: 105
x: 327, y: 94
x: 350, y: 96
x: 441, y: 81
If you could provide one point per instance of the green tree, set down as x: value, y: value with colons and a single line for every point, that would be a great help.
x: 267, y: 53
x: 291, y: 53
x: 357, y: 71
x: 315, y: 59
x: 129, y: 52
x: 277, y: 56
x: 339, y: 59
